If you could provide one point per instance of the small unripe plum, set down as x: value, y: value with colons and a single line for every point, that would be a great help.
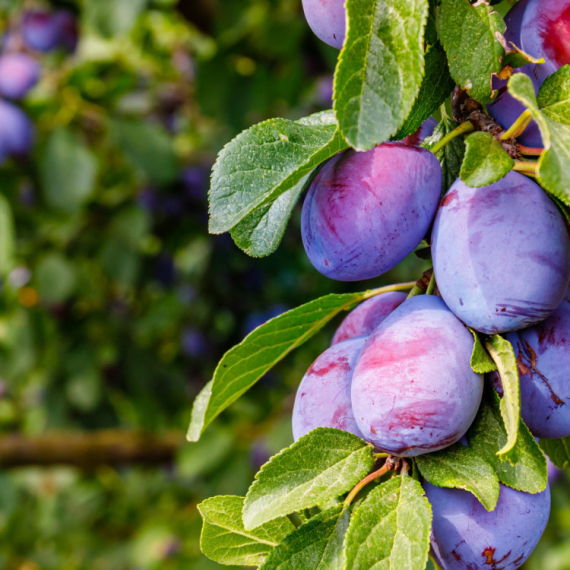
x: 327, y: 19
x: 501, y: 254
x: 366, y: 211
x: 18, y: 74
x: 40, y: 30
x: 425, y: 131
x: 465, y: 535
x: 323, y: 398
x: 545, y: 32
x: 368, y: 315
x: 543, y: 357
x: 413, y: 389
x: 17, y: 132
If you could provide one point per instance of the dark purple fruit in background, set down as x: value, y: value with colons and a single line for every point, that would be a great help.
x: 18, y: 74
x: 543, y: 357
x: 323, y: 398
x: 68, y: 33
x: 16, y: 132
x: 413, y: 389
x: 40, y: 30
x: 465, y: 536
x: 366, y: 211
x: 327, y: 19
x: 501, y: 254
x: 368, y: 315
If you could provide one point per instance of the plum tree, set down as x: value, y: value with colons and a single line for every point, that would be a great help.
x: 413, y: 389
x: 323, y: 398
x: 17, y: 133
x: 545, y: 32
x: 475, y: 271
x: 366, y: 211
x: 327, y: 19
x: 465, y: 535
x: 18, y: 74
x: 543, y: 357
x: 368, y: 315
x: 505, y: 108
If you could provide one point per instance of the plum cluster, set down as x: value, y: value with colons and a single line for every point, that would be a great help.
x: 20, y: 71
x: 398, y: 371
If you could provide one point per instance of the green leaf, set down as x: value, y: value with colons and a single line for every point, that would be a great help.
x: 451, y: 155
x: 554, y: 96
x: 380, y: 70
x: 525, y: 467
x: 112, y: 17
x: 558, y: 450
x: 7, y: 237
x: 316, y: 545
x: 225, y: 540
x: 391, y: 528
x: 437, y: 85
x: 148, y: 148
x: 460, y: 467
x: 266, y: 161
x: 68, y: 171
x: 481, y: 362
x: 55, y: 278
x: 471, y: 35
x: 260, y: 233
x: 320, y: 466
x: 485, y: 161
x: 246, y: 363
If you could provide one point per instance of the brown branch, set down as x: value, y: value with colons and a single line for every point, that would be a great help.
x: 465, y: 108
x: 89, y: 450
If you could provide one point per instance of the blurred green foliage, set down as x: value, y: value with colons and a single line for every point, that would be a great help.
x: 116, y: 304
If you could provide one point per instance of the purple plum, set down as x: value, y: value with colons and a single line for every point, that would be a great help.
x: 543, y: 357
x: 366, y: 211
x: 466, y: 536
x: 426, y: 130
x: 501, y: 254
x: 66, y: 23
x: 40, y: 30
x: 17, y: 132
x: 18, y: 74
x: 413, y: 389
x: 327, y: 19
x: 323, y: 398
x: 368, y: 315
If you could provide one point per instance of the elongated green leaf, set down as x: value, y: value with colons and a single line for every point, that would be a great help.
x: 320, y: 466
x: 481, y: 362
x: 260, y: 233
x: 225, y: 540
x: 436, y: 86
x: 470, y: 35
x: 460, y: 467
x: 485, y: 161
x: 391, y: 528
x: 554, y: 96
x: 316, y: 545
x: 451, y: 155
x: 525, y: 466
x: 7, y: 237
x: 503, y: 354
x: 380, y: 70
x: 264, y: 162
x: 246, y: 363
x: 558, y: 450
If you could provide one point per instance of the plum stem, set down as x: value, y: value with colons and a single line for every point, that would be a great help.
x: 518, y: 127
x: 528, y: 168
x: 463, y: 129
x: 381, y: 455
x: 389, y: 289
x: 530, y: 151
x: 388, y: 466
x: 431, y: 287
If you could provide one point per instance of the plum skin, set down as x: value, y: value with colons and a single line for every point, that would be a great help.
x: 543, y: 357
x: 17, y: 133
x: 366, y: 211
x: 465, y: 535
x: 323, y: 397
x: 368, y: 315
x: 413, y: 389
x: 18, y: 74
x: 327, y: 19
x: 490, y: 287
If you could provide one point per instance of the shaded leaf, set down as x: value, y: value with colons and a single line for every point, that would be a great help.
x: 7, y: 237
x: 485, y: 161
x: 558, y: 450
